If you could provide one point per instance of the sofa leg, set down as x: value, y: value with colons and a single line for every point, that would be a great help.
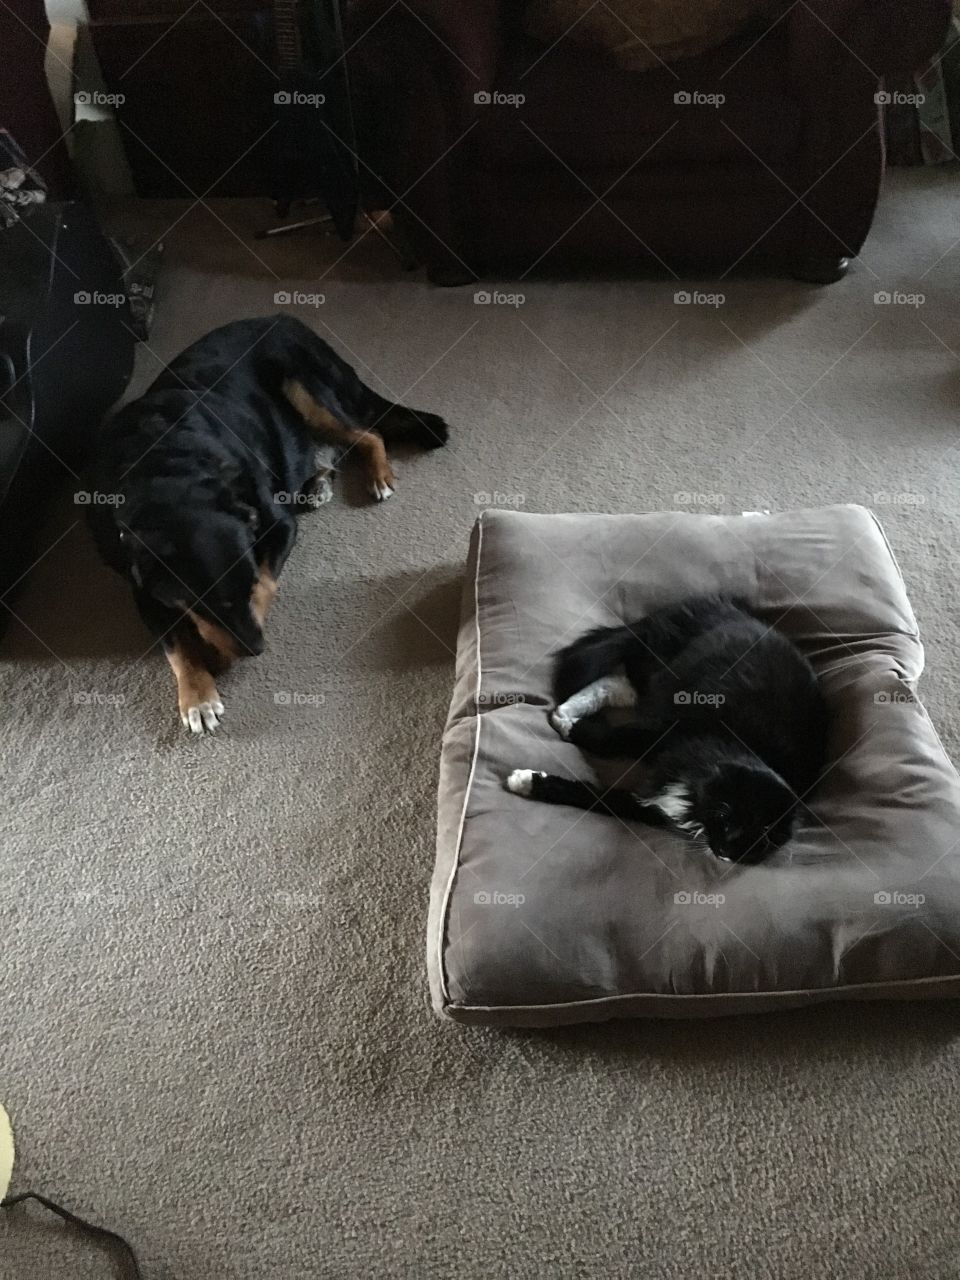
x: 822, y: 269
x: 450, y: 275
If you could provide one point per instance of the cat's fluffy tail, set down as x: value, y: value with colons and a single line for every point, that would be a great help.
x: 589, y: 658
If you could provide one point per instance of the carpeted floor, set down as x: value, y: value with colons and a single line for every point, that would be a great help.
x: 214, y: 1022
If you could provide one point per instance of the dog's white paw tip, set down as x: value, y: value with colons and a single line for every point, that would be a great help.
x: 520, y: 782
x: 211, y: 713
x: 203, y: 718
x: 382, y: 492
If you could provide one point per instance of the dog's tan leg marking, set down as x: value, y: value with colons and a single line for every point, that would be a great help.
x: 263, y: 594
x: 380, y: 478
x: 197, y: 696
x: 369, y: 444
x: 216, y: 637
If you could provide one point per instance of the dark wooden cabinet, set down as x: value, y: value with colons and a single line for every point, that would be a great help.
x: 197, y: 84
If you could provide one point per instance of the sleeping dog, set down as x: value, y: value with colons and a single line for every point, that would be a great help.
x: 207, y: 471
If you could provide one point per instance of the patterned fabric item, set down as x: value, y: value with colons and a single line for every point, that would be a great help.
x: 21, y: 188
x: 642, y: 33
x: 922, y: 113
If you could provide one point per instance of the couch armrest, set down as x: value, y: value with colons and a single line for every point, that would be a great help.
x: 888, y: 37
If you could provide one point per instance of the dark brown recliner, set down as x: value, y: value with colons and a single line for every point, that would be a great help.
x: 766, y: 150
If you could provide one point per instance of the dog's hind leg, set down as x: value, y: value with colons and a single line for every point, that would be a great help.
x: 307, y: 358
x: 400, y: 425
x: 368, y: 444
x: 197, y: 696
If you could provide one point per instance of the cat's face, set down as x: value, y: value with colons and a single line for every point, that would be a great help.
x: 746, y: 813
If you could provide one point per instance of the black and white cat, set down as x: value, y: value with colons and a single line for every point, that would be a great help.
x: 727, y: 718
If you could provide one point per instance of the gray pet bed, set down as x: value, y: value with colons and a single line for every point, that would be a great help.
x: 543, y: 914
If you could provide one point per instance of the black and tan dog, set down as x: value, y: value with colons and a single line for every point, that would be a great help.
x: 205, y: 474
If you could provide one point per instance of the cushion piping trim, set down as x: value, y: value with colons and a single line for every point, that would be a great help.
x: 768, y: 993
x: 445, y: 909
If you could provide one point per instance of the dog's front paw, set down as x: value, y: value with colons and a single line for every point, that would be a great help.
x: 200, y: 706
x: 521, y: 781
x: 563, y: 724
x: 383, y: 483
x: 202, y: 718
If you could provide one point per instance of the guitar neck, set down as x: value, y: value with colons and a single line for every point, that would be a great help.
x: 286, y: 29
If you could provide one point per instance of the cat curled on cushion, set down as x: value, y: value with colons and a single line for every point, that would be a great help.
x: 725, y: 714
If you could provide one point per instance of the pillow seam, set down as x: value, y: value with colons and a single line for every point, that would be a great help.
x: 445, y: 909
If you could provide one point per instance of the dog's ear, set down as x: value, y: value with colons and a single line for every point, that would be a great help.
x: 145, y: 553
x: 275, y: 530
x: 239, y: 496
x: 250, y: 515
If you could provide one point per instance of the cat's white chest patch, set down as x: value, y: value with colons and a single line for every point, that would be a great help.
x: 673, y: 802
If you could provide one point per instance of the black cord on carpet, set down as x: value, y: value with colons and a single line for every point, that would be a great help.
x: 100, y: 1233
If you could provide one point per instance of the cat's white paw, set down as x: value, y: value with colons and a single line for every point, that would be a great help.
x: 520, y: 782
x: 562, y: 723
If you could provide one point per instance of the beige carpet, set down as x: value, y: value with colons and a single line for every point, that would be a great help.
x: 214, y: 1027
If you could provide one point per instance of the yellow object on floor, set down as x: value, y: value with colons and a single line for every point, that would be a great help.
x: 6, y: 1152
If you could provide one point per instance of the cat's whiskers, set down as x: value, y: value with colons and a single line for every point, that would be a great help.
x: 691, y: 827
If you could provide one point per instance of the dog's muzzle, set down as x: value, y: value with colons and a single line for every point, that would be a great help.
x: 241, y: 639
